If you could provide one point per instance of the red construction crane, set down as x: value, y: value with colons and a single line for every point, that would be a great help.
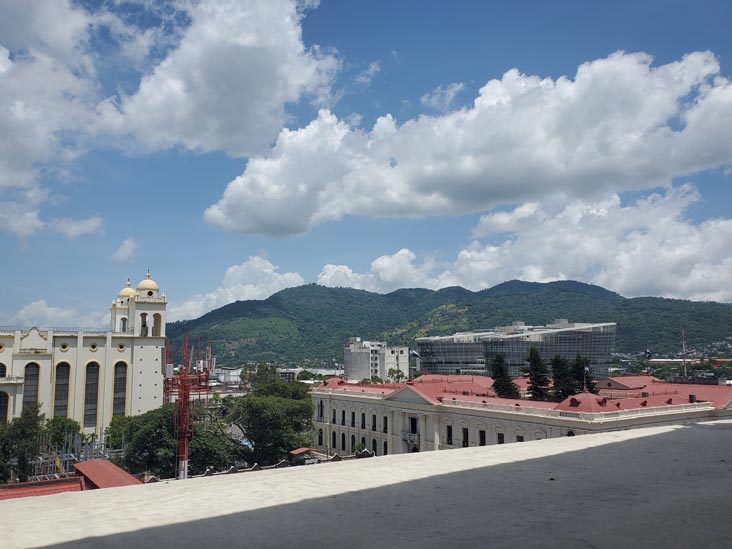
x: 187, y: 387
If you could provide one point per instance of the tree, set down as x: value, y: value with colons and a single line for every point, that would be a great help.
x: 273, y: 424
x: 582, y: 376
x: 503, y: 385
x: 562, y: 378
x: 59, y: 429
x: 376, y: 379
x: 538, y: 376
x: 395, y: 374
x: 20, y: 440
x: 305, y: 375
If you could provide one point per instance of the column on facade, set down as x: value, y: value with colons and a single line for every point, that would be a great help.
x: 422, y: 433
x: 437, y: 431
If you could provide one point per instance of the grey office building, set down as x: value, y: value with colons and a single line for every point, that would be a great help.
x: 472, y: 352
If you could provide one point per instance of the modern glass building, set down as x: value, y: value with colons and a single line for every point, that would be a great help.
x: 472, y: 352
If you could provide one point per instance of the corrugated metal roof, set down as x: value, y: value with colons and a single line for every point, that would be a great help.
x: 105, y: 474
x: 43, y: 488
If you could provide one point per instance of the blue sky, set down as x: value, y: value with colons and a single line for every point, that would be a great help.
x: 237, y: 148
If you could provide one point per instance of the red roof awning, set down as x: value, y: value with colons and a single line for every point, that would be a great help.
x: 104, y: 474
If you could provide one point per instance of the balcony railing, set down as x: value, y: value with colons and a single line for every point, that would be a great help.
x: 320, y: 419
x: 599, y: 417
x: 11, y: 380
x: 411, y: 437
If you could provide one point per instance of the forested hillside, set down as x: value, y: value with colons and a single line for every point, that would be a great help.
x: 314, y: 322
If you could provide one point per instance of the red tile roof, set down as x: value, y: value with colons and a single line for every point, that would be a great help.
x: 40, y: 488
x: 104, y: 474
x: 299, y: 451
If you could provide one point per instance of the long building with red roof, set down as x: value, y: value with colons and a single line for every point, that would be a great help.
x: 438, y: 412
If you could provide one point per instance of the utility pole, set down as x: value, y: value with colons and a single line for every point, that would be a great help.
x: 683, y: 348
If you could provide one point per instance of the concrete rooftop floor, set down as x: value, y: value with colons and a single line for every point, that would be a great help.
x: 657, y: 487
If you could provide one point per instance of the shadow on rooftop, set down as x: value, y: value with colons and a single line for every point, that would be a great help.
x: 667, y: 490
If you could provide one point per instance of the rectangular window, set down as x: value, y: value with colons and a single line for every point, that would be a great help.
x: 519, y: 438
x: 501, y: 438
x: 120, y: 389
x: 91, y: 395
x: 386, y: 424
x: 373, y: 422
x: 449, y: 434
x: 61, y: 394
x: 353, y: 419
x: 481, y: 437
x: 343, y: 417
x: 466, y: 440
x: 363, y: 421
x: 333, y: 419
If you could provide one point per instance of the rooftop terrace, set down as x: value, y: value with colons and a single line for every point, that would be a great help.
x: 657, y: 487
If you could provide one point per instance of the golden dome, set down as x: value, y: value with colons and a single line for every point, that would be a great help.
x: 148, y: 283
x: 127, y: 291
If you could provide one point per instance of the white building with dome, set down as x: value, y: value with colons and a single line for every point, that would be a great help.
x: 87, y: 374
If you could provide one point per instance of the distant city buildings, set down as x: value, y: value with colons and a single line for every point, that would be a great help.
x: 472, y: 352
x: 89, y: 375
x: 443, y: 412
x: 366, y: 359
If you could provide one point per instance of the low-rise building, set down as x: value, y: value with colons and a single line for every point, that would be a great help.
x: 444, y: 412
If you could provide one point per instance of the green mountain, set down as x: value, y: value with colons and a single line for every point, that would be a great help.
x: 314, y: 322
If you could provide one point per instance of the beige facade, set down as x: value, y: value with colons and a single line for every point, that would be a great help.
x: 89, y: 375
x: 402, y: 420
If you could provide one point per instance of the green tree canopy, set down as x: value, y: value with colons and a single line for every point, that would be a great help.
x: 20, y: 440
x: 503, y: 385
x: 538, y: 376
x: 583, y: 380
x: 273, y: 424
x: 59, y: 429
x: 563, y: 379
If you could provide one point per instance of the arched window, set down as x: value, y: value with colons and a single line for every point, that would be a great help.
x: 143, y: 324
x: 120, y: 389
x: 570, y: 433
x: 363, y: 442
x: 30, y: 384
x: 123, y: 324
x: 61, y: 392
x: 3, y: 370
x: 333, y: 441
x: 386, y: 449
x: 91, y: 394
x: 373, y: 445
x: 4, y: 405
x: 157, y: 324
x: 343, y: 441
x: 353, y: 443
x: 320, y: 437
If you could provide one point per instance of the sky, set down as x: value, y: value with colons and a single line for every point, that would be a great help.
x: 236, y: 148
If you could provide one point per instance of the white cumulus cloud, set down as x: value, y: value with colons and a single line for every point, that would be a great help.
x: 442, y: 97
x: 40, y: 314
x: 226, y: 85
x: 645, y: 248
x: 72, y: 228
x: 126, y: 251
x: 386, y: 273
x: 255, y: 278
x: 619, y: 124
